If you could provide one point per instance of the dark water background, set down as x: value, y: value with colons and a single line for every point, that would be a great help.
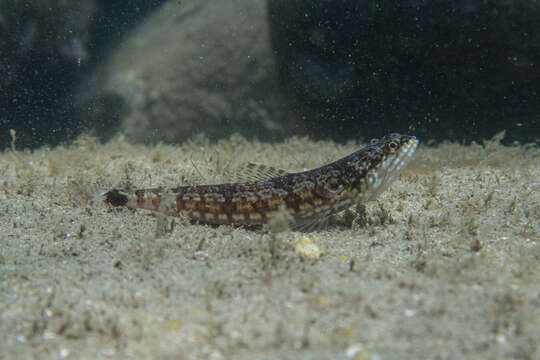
x: 346, y: 69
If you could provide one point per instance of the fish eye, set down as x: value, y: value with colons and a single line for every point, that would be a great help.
x: 392, y: 146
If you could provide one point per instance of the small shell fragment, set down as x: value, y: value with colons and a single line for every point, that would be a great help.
x: 355, y: 352
x: 304, y: 247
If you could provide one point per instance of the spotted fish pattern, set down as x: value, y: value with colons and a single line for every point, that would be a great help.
x: 309, y: 196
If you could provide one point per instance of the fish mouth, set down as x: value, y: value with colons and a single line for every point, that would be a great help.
x: 391, y: 167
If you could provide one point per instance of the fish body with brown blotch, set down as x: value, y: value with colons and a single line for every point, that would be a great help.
x: 309, y: 196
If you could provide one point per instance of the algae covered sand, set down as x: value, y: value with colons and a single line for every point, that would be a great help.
x: 443, y: 265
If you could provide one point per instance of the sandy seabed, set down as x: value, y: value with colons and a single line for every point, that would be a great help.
x: 444, y: 265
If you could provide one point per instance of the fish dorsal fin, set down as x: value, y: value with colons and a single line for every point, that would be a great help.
x: 250, y: 172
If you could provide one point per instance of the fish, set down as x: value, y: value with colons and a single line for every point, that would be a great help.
x: 310, y: 197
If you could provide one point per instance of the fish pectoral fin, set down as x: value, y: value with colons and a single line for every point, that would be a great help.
x: 329, y: 192
x: 310, y: 224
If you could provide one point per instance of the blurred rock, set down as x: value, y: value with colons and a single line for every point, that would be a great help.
x: 196, y: 66
x: 48, y: 48
x: 461, y: 70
